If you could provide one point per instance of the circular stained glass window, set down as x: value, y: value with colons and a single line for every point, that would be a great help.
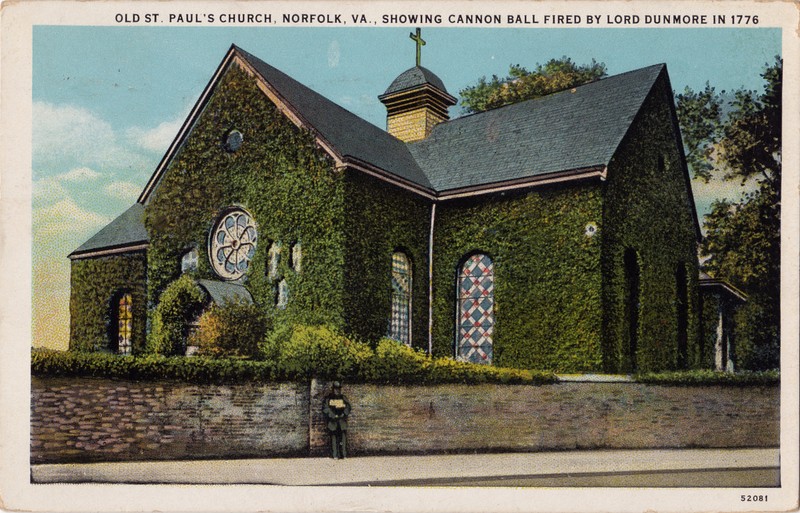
x: 234, y: 140
x: 232, y: 244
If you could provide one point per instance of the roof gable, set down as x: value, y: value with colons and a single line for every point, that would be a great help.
x: 578, y: 129
x: 348, y: 138
x: 575, y: 129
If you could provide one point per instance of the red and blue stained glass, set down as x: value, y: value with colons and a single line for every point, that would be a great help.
x: 476, y: 310
x: 400, y: 322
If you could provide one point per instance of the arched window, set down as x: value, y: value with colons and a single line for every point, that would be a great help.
x: 400, y: 322
x: 189, y: 261
x: 283, y: 295
x: 475, y: 310
x: 124, y: 323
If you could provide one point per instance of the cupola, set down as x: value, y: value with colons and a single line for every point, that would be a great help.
x: 416, y: 101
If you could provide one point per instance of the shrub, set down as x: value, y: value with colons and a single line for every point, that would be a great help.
x: 394, y: 362
x: 709, y: 377
x: 180, y: 303
x: 152, y: 367
x: 233, y: 329
x: 322, y: 353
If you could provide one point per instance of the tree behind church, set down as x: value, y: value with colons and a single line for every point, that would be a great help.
x: 740, y: 139
x: 521, y: 84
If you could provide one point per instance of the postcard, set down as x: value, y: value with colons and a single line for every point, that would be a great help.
x: 399, y: 256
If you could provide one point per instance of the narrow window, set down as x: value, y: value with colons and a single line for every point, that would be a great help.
x: 283, y: 295
x: 682, y: 307
x: 124, y: 324
x: 475, y: 284
x: 189, y: 261
x: 296, y: 257
x: 400, y: 322
x: 632, y: 304
x: 274, y: 255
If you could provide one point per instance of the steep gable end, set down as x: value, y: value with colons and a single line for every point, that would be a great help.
x: 347, y: 138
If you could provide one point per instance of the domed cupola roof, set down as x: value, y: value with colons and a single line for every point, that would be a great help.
x: 416, y: 101
x: 415, y: 77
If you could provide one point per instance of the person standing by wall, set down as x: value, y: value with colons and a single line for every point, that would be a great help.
x: 336, y: 409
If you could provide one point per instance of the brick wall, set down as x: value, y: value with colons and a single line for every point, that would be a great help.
x: 564, y: 416
x: 91, y: 419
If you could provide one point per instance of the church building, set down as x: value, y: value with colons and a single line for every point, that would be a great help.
x: 558, y: 233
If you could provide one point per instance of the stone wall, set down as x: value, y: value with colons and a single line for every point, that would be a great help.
x: 92, y: 419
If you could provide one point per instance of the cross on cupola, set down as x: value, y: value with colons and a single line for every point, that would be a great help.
x: 416, y: 101
x: 417, y: 38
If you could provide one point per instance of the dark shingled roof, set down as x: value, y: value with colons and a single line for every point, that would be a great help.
x: 349, y: 134
x: 570, y: 130
x: 573, y: 129
x: 127, y: 229
x: 415, y: 77
x: 224, y: 291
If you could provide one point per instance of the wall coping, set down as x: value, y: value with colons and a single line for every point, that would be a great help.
x: 595, y: 378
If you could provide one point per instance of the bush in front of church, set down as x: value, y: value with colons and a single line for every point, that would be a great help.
x: 394, y: 362
x: 317, y: 351
x: 233, y: 329
x: 180, y: 303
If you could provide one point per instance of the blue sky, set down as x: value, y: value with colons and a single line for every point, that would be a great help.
x: 107, y: 101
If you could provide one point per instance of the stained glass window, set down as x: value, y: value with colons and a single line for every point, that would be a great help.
x: 296, y: 257
x: 475, y: 310
x: 125, y: 324
x: 189, y: 261
x: 400, y: 322
x: 274, y: 254
x: 233, y: 244
x: 283, y: 294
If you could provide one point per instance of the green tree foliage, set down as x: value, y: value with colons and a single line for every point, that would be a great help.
x: 521, y: 84
x: 233, y: 329
x: 742, y: 241
x: 700, y: 116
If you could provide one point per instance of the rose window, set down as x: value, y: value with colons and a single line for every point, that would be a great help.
x: 233, y: 244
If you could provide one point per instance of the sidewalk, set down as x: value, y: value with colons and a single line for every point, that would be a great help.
x: 682, y: 467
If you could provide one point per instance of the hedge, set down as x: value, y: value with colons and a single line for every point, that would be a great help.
x: 235, y: 371
x: 152, y: 367
x: 391, y: 363
x: 709, y: 377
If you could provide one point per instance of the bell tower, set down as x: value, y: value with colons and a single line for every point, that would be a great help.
x: 416, y: 101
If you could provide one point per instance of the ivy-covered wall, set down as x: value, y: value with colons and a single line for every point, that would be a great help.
x: 558, y: 251
x: 547, y: 274
x: 280, y: 176
x: 383, y: 219
x: 647, y: 211
x: 96, y: 285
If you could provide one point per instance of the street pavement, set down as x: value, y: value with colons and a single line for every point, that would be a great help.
x: 610, y: 468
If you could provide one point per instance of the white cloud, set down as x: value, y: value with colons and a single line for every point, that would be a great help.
x: 123, y: 190
x: 78, y: 174
x: 69, y: 136
x: 156, y: 139
x: 48, y: 190
x: 65, y: 217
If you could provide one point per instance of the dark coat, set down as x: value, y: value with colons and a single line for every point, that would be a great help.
x: 335, y: 414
